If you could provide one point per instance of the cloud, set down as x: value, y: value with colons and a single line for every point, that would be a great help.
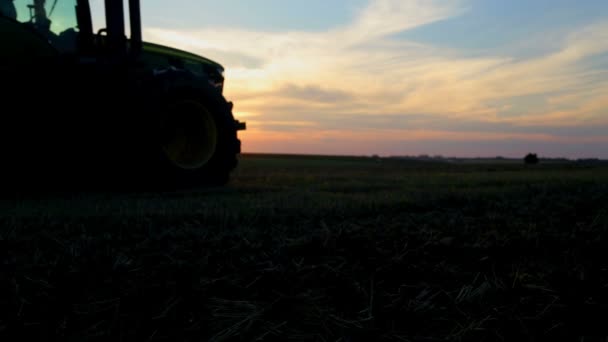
x: 343, y: 75
x: 384, y: 17
x: 309, y: 57
x: 314, y: 93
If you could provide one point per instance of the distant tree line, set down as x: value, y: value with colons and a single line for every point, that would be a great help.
x: 528, y: 159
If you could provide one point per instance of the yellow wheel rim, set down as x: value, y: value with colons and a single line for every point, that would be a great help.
x: 191, y: 135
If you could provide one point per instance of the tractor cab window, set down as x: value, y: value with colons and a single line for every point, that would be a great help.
x: 55, y: 19
x: 7, y: 9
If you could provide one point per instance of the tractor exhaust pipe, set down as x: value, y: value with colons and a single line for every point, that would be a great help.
x: 115, y: 24
x: 135, y: 20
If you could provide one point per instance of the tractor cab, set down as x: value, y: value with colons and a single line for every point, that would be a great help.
x: 54, y: 21
x: 67, y: 26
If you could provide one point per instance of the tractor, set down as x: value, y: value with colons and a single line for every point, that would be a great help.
x: 83, y: 106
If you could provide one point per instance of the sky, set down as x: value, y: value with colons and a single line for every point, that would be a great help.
x: 466, y: 78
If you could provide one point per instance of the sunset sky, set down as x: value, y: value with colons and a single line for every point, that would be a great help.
x: 405, y: 77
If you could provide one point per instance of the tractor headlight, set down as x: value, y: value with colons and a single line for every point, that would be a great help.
x: 214, y: 75
x: 217, y: 79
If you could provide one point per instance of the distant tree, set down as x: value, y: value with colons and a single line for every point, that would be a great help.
x: 531, y: 159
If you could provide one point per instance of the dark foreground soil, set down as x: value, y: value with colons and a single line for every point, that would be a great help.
x: 316, y: 249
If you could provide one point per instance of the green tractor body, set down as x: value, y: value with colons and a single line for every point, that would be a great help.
x: 103, y: 108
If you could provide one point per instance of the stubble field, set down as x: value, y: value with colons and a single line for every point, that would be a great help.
x: 317, y: 249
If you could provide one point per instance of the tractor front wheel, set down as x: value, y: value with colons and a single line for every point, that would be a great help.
x: 197, y: 140
x: 189, y: 135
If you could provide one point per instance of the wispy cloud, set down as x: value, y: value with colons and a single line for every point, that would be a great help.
x: 384, y: 17
x: 361, y: 69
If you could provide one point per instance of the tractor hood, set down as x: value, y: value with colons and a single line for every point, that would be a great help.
x: 156, y: 49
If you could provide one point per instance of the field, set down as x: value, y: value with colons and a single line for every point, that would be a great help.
x: 317, y: 249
